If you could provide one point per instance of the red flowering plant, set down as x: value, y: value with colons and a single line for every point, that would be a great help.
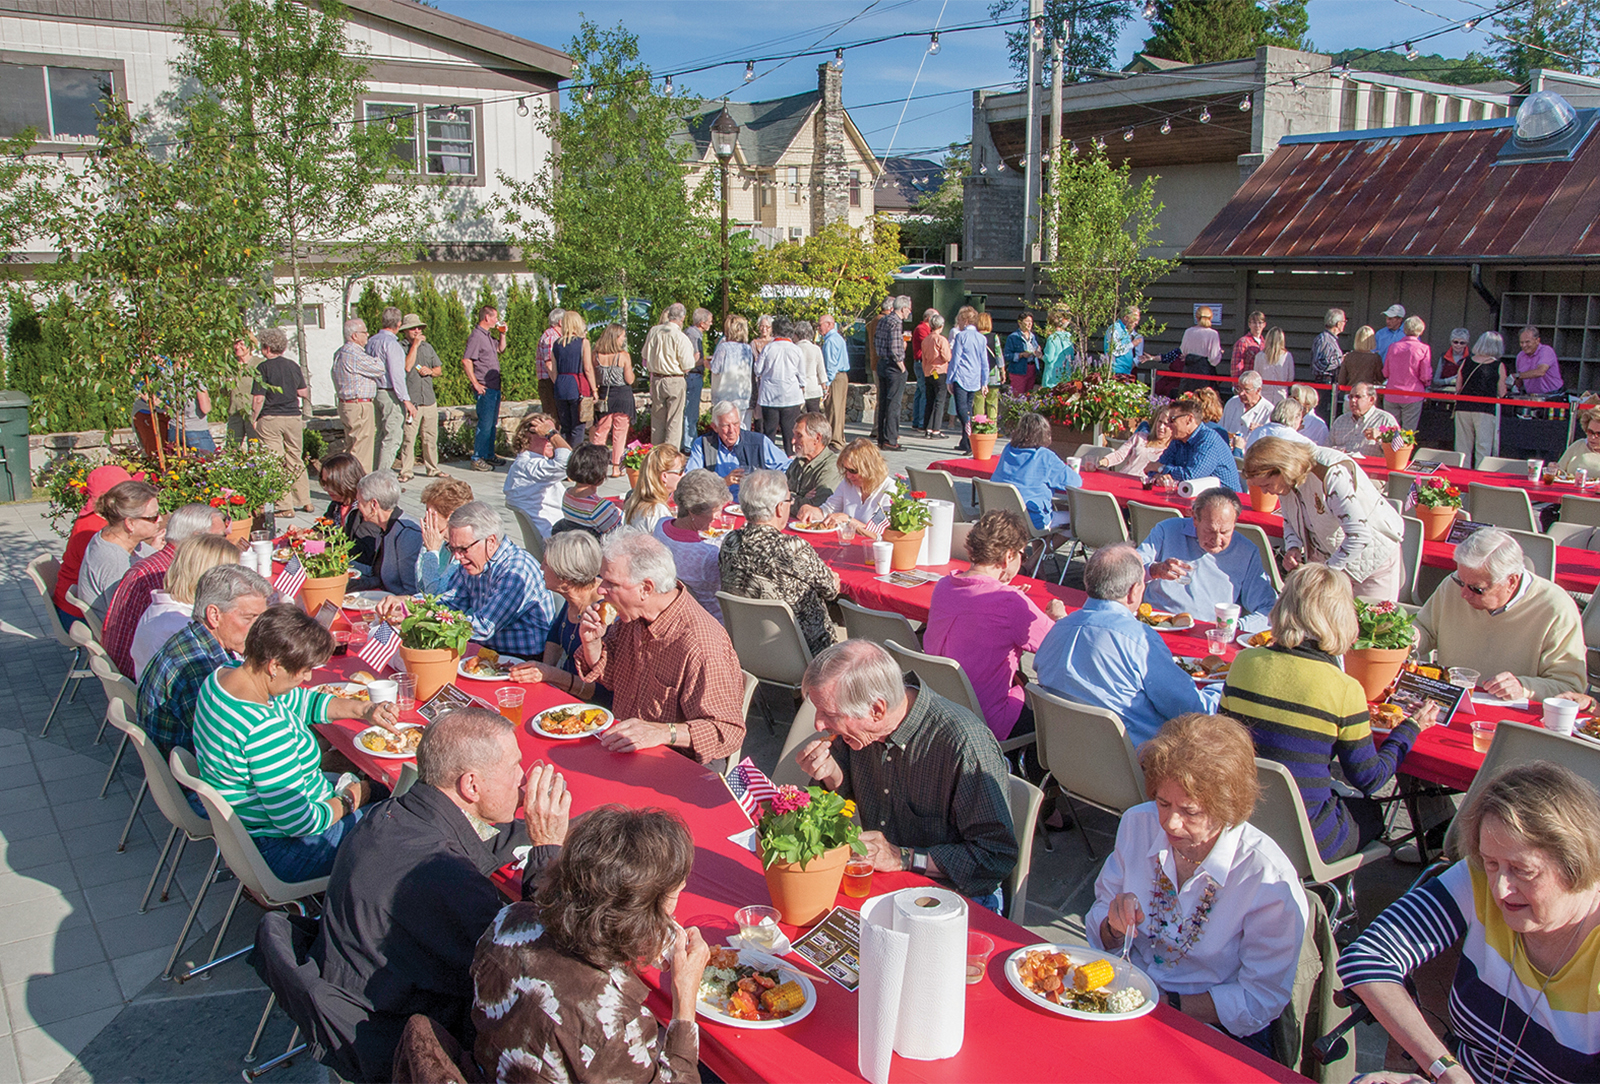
x: 1436, y: 493
x: 324, y: 550
x: 633, y: 455
x: 907, y: 512
x: 800, y: 825
x: 1090, y: 395
x: 242, y: 479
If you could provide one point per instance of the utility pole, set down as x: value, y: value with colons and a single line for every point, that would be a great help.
x: 1030, y: 164
x: 1058, y: 50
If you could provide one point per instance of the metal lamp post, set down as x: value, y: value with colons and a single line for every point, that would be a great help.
x: 724, y: 135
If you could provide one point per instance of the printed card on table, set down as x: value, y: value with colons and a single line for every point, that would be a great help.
x: 446, y: 699
x: 1463, y: 529
x: 911, y: 579
x: 328, y: 613
x: 834, y: 946
x: 1423, y: 468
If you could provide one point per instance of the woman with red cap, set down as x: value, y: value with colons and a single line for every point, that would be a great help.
x: 85, y: 527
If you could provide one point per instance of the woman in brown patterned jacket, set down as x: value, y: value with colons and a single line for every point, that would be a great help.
x: 556, y: 990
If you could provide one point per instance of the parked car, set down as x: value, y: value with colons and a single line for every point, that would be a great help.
x: 920, y: 271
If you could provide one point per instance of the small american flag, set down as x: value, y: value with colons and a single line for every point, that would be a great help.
x: 750, y: 787
x: 291, y: 579
x: 380, y: 646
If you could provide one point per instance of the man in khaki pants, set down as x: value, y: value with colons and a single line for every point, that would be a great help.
x: 422, y: 365
x: 275, y: 413
x: 355, y: 383
x: 668, y: 356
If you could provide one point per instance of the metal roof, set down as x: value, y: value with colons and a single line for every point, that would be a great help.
x: 1430, y: 194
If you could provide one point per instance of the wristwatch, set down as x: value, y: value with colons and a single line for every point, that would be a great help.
x: 1441, y: 1065
x: 919, y: 862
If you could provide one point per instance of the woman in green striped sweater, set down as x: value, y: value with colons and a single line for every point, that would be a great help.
x: 254, y: 744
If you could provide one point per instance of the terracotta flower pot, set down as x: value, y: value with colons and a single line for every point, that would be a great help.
x: 1375, y: 667
x: 1398, y: 458
x: 434, y: 668
x: 633, y: 477
x: 239, y: 529
x: 983, y: 446
x: 1262, y: 501
x: 907, y: 544
x: 1436, y: 521
x: 803, y: 896
x: 320, y: 589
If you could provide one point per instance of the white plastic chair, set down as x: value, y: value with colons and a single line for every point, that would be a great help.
x: 1142, y: 518
x: 1580, y: 510
x: 1503, y: 506
x: 90, y: 618
x: 1410, y: 560
x: 939, y: 485
x: 1398, y: 484
x: 947, y: 678
x: 802, y: 730
x: 1024, y: 801
x: 767, y: 639
x: 1088, y: 752
x: 43, y: 571
x: 532, y: 540
x: 1499, y: 464
x: 1440, y: 455
x: 1516, y: 744
x: 879, y: 626
x: 1539, y: 549
x: 751, y: 683
x: 1269, y: 560
x: 1005, y: 497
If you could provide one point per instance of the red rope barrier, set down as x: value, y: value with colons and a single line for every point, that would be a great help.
x: 1535, y: 404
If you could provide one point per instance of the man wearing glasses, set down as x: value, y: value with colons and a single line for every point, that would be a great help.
x: 1355, y: 432
x: 1496, y: 617
x: 500, y: 586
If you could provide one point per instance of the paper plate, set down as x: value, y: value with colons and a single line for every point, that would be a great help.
x: 1243, y: 640
x: 811, y: 528
x: 364, y: 601
x: 383, y: 755
x: 503, y: 668
x: 786, y: 972
x: 534, y: 723
x: 1083, y: 954
x: 350, y: 690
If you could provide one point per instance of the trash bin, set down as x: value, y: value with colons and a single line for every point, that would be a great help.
x: 16, y: 483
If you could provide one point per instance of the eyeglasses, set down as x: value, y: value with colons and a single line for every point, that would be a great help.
x: 147, y: 519
x: 850, y: 471
x: 1474, y: 588
x: 460, y: 551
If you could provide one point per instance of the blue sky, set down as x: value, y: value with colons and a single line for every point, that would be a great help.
x: 679, y: 34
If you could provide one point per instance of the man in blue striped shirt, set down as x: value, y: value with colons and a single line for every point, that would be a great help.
x: 836, y: 362
x: 1195, y: 451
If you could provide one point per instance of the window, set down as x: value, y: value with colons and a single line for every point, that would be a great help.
x: 61, y: 103
x: 855, y: 188
x: 794, y: 184
x: 283, y: 315
x: 403, y: 118
x: 766, y: 191
x: 449, y: 136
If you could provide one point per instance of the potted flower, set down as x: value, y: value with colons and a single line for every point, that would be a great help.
x: 1438, y: 503
x: 908, y: 521
x: 324, y: 553
x: 247, y: 477
x: 633, y: 461
x: 1383, y: 643
x: 1398, y: 446
x: 1092, y: 403
x: 805, y: 837
x: 984, y: 432
x: 432, y: 637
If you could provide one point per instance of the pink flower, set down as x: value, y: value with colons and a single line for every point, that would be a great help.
x: 790, y: 798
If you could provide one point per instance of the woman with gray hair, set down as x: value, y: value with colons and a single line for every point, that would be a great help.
x: 935, y: 364
x: 275, y: 414
x: 1483, y: 374
x: 759, y: 561
x: 572, y: 572
x: 1455, y: 355
x: 693, y: 538
x: 1033, y: 467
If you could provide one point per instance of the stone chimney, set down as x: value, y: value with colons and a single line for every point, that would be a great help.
x: 830, y: 179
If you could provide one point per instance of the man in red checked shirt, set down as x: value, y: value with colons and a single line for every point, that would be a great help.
x: 132, y: 597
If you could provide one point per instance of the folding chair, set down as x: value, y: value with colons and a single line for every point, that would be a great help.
x: 767, y: 639
x: 1539, y: 549
x: 939, y: 485
x: 118, y: 689
x: 1580, y: 510
x: 1499, y: 464
x: 879, y: 626
x: 1439, y: 455
x: 1142, y: 518
x: 1088, y: 752
x: 751, y: 683
x: 1410, y: 560
x: 1269, y: 560
x: 1516, y: 744
x: 90, y: 618
x: 43, y: 571
x: 532, y: 540
x: 1024, y: 800
x: 1503, y: 506
x: 1096, y: 520
x: 1398, y: 484
x: 802, y: 730
x: 1005, y: 497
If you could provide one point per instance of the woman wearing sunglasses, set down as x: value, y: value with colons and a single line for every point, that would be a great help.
x: 132, y: 517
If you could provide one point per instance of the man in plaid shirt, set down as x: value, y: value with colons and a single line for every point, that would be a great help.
x: 356, y: 374
x: 227, y: 601
x: 672, y: 670
x: 500, y: 586
x: 132, y: 597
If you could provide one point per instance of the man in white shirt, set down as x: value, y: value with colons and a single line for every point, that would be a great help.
x: 1247, y: 410
x: 669, y: 358
x: 1356, y: 430
x: 1285, y: 423
x: 1202, y: 347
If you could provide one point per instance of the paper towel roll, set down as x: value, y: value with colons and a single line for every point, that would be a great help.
x: 1196, y: 486
x: 936, y: 542
x: 914, y: 948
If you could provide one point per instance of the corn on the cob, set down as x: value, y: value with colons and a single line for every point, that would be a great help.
x: 785, y: 998
x: 1093, y: 975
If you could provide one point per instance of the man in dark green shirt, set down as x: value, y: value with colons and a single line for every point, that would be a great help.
x: 814, y: 471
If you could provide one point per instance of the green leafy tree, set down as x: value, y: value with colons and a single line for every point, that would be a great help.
x: 1104, y: 225
x: 26, y: 195
x: 618, y: 219
x: 287, y: 78
x: 1456, y: 71
x: 839, y: 269
x: 1202, y: 31
x: 1555, y: 34
x: 1095, y: 27
x: 939, y: 218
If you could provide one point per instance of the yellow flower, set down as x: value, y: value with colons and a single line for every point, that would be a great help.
x: 849, y: 807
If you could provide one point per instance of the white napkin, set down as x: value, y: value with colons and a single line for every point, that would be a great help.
x: 913, y: 978
x: 1193, y: 487
x: 1490, y: 702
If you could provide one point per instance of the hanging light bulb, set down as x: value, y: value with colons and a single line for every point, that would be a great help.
x: 1205, y: 115
x: 588, y: 94
x: 1411, y: 51
x: 1099, y: 144
x: 983, y: 169
x: 666, y: 87
x: 1472, y: 24
x: 1166, y: 127
x: 1072, y: 149
x: 838, y: 60
x: 933, y: 44
x: 1244, y: 104
x: 1149, y: 10
x: 1127, y: 135
x: 749, y: 70
x: 453, y: 115
x: 392, y: 126
x: 522, y: 107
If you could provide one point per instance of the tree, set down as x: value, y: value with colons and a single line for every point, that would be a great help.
x: 1093, y: 44
x: 1546, y: 34
x: 1465, y: 71
x: 617, y: 220
x: 1104, y: 226
x: 1202, y: 31
x: 287, y: 80
x: 839, y: 269
x: 939, y: 218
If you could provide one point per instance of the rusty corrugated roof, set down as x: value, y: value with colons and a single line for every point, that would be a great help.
x: 1424, y: 195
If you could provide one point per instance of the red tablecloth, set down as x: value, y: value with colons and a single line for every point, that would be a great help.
x: 1006, y: 1038
x: 1576, y: 569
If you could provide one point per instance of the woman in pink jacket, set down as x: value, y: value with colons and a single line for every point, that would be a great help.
x: 1407, y: 366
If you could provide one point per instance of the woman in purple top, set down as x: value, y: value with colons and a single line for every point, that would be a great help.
x: 978, y: 619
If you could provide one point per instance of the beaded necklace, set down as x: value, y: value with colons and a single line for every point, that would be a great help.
x: 1172, y: 936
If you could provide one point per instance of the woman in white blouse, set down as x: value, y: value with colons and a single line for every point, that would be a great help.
x: 1276, y: 366
x: 733, y: 367
x: 1332, y: 513
x: 170, y: 609
x: 1214, y: 906
x: 862, y: 497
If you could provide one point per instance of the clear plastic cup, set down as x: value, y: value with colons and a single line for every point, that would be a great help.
x: 406, y: 698
x: 979, y: 948
x: 758, y: 926
x: 510, y: 703
x: 1483, y: 735
x: 1464, y: 677
x: 1217, y: 641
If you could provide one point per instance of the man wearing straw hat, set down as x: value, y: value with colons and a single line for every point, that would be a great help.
x: 422, y: 365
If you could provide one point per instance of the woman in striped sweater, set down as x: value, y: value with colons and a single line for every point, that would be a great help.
x: 253, y: 742
x: 1303, y: 711
x: 1525, y: 908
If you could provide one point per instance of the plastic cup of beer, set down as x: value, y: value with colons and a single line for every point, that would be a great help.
x: 858, y: 877
x: 406, y: 698
x: 510, y: 701
x: 1482, y: 734
x: 979, y: 948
